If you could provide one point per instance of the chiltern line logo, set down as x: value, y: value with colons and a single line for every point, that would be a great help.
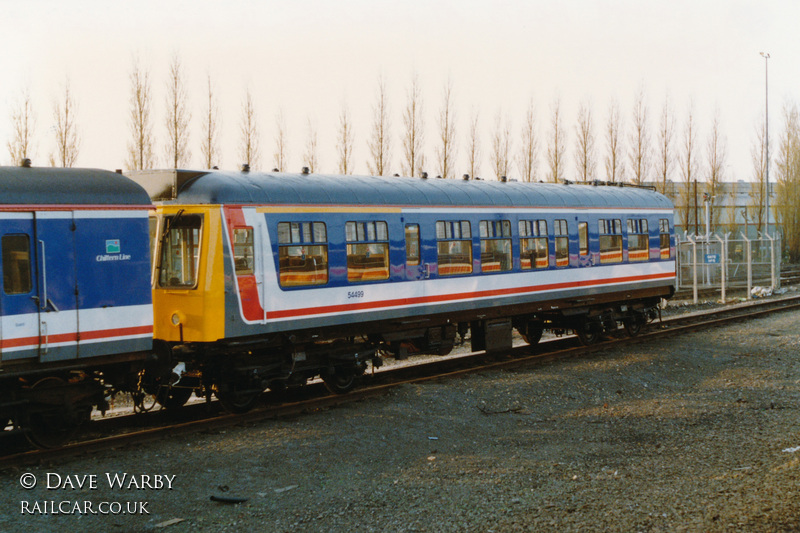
x: 113, y: 252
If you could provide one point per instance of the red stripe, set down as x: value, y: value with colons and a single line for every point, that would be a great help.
x: 459, y: 296
x: 108, y: 334
x: 70, y: 207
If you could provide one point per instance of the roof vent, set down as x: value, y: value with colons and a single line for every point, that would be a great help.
x: 246, y: 167
x: 305, y: 170
x: 25, y: 163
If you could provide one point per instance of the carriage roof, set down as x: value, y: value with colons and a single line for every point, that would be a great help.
x: 67, y: 186
x: 243, y: 188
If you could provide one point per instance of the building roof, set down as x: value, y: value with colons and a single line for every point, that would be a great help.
x: 243, y: 188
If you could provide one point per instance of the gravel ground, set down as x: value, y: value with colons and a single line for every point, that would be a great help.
x: 692, y: 433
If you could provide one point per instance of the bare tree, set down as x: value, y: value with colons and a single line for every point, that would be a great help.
x: 585, y: 159
x: 311, y: 155
x: 758, y: 155
x: 474, y: 146
x: 556, y: 145
x: 688, y: 209
x: 665, y: 156
x: 529, y: 150
x: 68, y: 141
x: 344, y: 141
x: 614, y: 164
x: 716, y: 156
x: 178, y: 116
x: 728, y: 217
x: 23, y: 122
x: 640, y: 140
x: 787, y: 165
x: 414, y: 124
x: 249, y: 149
x: 211, y: 124
x: 446, y: 149
x: 281, y: 141
x: 501, y: 146
x: 140, y: 148
x: 380, y: 145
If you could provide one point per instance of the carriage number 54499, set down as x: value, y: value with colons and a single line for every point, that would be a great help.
x: 355, y: 294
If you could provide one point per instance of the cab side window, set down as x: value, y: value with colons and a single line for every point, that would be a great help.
x: 243, y: 250
x: 16, y: 264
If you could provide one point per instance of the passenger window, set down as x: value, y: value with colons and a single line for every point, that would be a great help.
x: 454, y: 247
x: 638, y: 240
x: 495, y: 245
x: 533, y: 251
x: 583, y: 238
x: 243, y: 250
x: 412, y: 245
x: 180, y: 251
x: 367, y: 251
x: 562, y: 243
x: 663, y: 237
x: 610, y: 240
x: 302, y: 253
x: 16, y: 264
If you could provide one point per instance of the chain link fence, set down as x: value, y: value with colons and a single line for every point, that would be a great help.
x: 721, y: 263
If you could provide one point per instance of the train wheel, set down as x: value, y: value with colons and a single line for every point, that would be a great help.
x: 51, y: 421
x: 532, y: 333
x: 634, y: 324
x: 143, y: 402
x: 173, y: 397
x: 589, y: 332
x: 238, y: 401
x: 340, y: 380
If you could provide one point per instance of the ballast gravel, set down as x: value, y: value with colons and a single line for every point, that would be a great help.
x: 698, y: 432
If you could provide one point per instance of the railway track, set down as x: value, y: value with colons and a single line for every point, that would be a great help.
x: 130, y: 430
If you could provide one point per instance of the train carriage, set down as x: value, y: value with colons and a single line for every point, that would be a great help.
x: 76, y: 299
x: 264, y: 280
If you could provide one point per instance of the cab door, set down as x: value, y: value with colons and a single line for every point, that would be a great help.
x: 56, y: 280
x: 19, y: 298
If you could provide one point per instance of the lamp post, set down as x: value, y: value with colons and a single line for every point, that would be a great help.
x: 765, y: 55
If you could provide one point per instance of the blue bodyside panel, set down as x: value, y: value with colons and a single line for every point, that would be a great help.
x: 114, y: 258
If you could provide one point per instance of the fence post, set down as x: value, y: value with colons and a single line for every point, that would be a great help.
x: 771, y: 260
x: 723, y: 263
x: 748, y: 249
x: 694, y: 268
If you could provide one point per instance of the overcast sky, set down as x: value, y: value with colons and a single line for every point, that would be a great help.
x: 307, y: 58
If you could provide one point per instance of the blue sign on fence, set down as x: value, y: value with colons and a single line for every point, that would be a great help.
x: 712, y: 258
